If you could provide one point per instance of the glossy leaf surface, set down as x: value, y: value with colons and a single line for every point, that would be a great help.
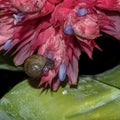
x: 96, y: 98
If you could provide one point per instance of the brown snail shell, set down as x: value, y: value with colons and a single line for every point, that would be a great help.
x: 36, y: 64
x: 33, y: 65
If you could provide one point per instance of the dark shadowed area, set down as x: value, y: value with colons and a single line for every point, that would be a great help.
x: 102, y: 60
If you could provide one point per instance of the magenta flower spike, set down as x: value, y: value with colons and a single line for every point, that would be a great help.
x: 57, y: 31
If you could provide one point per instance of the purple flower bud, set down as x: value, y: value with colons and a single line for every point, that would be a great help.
x: 7, y: 44
x: 68, y: 30
x: 45, y: 69
x: 18, y: 17
x: 62, y: 72
x: 48, y: 65
x: 82, y: 11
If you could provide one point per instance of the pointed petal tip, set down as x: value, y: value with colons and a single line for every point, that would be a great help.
x: 68, y: 30
x: 62, y: 72
x: 7, y: 44
x: 82, y: 12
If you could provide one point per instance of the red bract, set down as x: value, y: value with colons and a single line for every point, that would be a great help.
x: 59, y: 30
x: 28, y: 5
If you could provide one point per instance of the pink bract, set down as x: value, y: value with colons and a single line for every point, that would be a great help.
x: 56, y: 29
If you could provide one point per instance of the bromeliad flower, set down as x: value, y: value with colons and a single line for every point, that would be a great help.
x: 51, y: 34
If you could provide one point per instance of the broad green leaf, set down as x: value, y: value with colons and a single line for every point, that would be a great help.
x: 111, y: 77
x: 10, y: 67
x: 94, y: 99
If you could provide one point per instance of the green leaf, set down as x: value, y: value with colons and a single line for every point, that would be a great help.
x: 6, y: 63
x: 111, y: 77
x: 10, y: 67
x: 96, y: 98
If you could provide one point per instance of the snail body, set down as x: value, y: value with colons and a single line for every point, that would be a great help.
x: 35, y: 64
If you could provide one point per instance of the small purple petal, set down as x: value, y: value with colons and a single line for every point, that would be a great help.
x: 68, y: 30
x: 82, y: 11
x: 18, y: 17
x: 7, y: 44
x: 45, y: 69
x: 62, y: 72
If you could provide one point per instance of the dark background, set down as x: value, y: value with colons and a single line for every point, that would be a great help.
x: 102, y: 61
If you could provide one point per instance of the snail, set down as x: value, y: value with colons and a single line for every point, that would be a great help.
x: 35, y: 65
